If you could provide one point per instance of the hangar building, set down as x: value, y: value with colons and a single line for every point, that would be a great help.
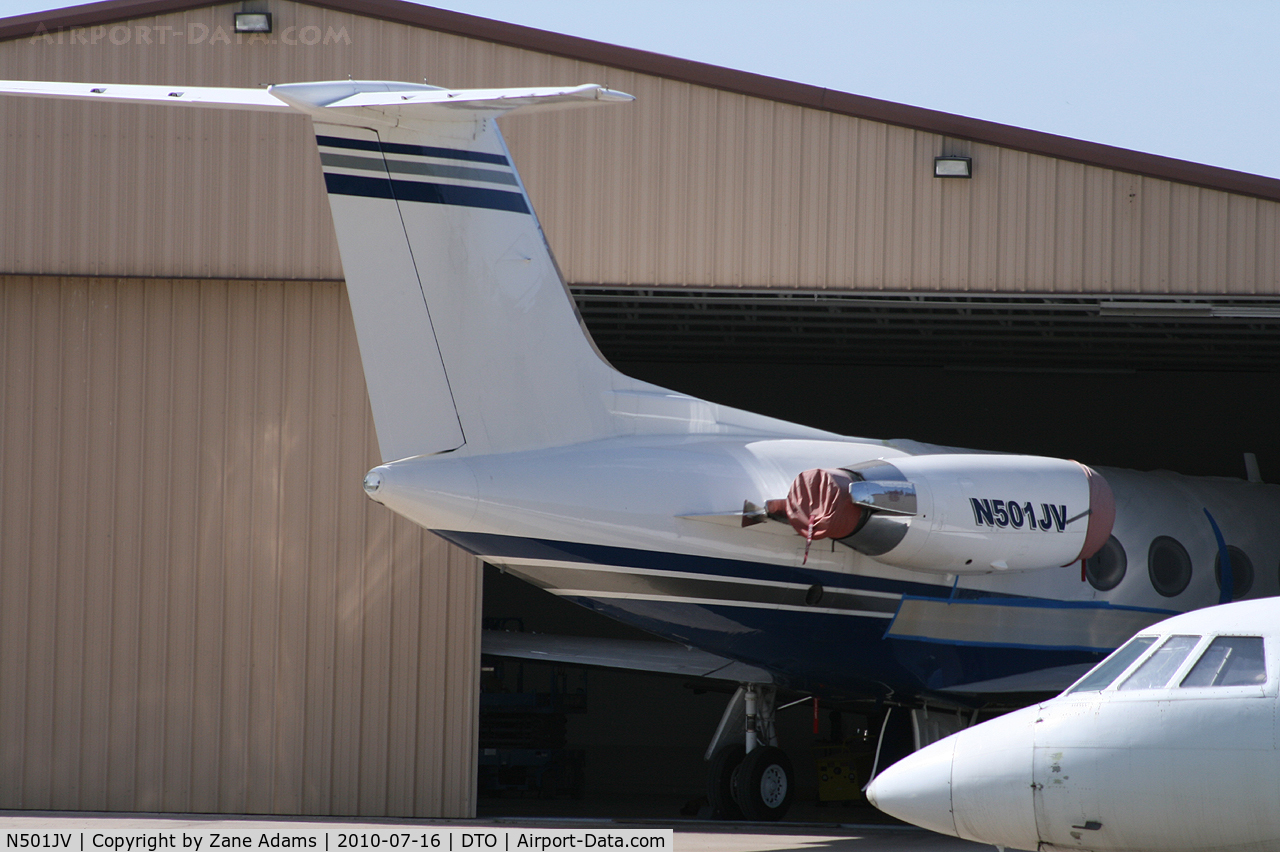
x: 199, y: 609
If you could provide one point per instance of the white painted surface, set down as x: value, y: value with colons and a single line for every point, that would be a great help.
x: 1169, y: 769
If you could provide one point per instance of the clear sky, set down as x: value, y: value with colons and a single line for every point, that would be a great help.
x: 1193, y: 79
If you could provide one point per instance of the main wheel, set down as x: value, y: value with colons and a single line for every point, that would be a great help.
x: 724, y: 763
x: 765, y: 784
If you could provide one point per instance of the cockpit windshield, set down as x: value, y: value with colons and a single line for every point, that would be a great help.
x: 1109, y: 669
x: 1157, y: 669
x: 1230, y: 661
x: 1222, y: 661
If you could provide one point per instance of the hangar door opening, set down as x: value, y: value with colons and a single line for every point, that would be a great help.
x: 1146, y: 383
x: 1140, y: 382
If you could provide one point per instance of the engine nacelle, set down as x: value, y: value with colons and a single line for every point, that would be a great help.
x: 976, y: 514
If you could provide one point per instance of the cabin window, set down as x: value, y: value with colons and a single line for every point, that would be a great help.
x: 1156, y: 671
x: 1230, y: 661
x: 1112, y: 667
x: 1169, y: 566
x: 1105, y: 569
x: 1241, y: 572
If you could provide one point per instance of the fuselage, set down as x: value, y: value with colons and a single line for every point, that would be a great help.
x: 621, y: 526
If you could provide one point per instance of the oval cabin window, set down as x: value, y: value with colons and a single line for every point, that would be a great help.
x: 1241, y: 572
x: 1169, y: 566
x: 1106, y: 568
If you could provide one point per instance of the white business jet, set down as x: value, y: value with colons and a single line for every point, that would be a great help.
x: 1172, y: 744
x: 777, y: 555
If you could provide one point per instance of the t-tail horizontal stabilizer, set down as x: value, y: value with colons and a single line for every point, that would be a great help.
x: 422, y: 101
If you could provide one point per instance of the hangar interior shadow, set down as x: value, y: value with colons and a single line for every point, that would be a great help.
x: 1197, y: 423
x: 642, y: 736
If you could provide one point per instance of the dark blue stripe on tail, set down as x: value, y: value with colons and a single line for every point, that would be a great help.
x: 354, y: 185
x: 418, y: 150
x: 429, y: 193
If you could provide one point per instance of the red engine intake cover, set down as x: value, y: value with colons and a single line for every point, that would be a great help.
x: 819, y: 505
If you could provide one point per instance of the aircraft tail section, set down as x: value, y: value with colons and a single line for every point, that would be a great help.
x: 468, y: 335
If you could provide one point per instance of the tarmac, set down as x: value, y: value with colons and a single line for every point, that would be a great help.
x: 688, y: 835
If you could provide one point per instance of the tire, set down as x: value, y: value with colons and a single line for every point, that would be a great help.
x: 765, y: 784
x: 720, y: 775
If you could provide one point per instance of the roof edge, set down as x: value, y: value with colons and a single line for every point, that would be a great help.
x: 711, y: 76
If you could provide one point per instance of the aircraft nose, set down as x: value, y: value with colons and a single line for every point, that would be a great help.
x: 975, y: 784
x: 991, y: 795
x: 917, y: 789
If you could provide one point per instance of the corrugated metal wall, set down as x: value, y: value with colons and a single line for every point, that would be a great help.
x: 199, y: 608
x: 688, y: 186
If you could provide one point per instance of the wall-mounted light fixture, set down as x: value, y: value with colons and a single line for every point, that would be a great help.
x: 953, y: 167
x: 253, y: 22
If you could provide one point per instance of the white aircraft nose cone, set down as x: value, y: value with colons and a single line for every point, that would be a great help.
x: 991, y: 794
x: 917, y: 789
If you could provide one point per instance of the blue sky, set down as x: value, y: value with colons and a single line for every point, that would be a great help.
x: 1193, y: 79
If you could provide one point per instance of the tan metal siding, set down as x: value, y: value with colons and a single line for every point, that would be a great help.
x: 199, y: 609
x: 688, y: 186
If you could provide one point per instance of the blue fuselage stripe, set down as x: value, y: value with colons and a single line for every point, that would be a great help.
x: 834, y: 643
x: 516, y: 547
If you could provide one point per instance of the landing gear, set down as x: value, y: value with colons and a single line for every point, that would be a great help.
x: 720, y: 776
x: 749, y: 776
x: 765, y: 784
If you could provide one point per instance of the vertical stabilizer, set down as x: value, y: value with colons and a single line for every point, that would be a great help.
x: 413, y: 408
x: 469, y: 337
